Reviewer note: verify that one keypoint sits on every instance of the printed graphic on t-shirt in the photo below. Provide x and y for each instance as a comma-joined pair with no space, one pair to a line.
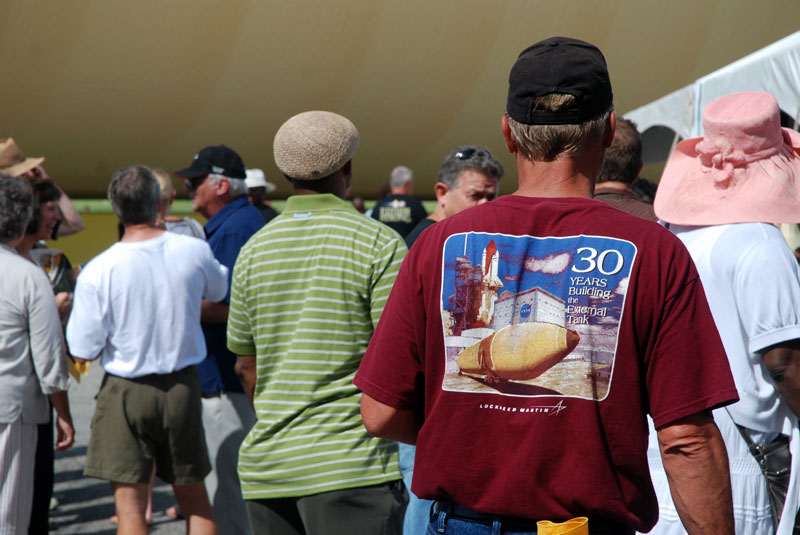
530,316
397,211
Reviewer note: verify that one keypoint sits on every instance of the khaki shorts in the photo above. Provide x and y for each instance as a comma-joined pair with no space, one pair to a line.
155,418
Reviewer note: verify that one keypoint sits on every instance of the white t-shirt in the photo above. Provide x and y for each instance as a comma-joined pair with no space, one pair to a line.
138,304
752,282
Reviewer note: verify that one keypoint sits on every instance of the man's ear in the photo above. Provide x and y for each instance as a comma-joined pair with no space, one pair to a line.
440,189
510,143
611,126
223,186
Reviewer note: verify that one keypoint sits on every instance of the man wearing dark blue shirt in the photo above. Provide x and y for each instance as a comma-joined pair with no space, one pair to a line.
215,181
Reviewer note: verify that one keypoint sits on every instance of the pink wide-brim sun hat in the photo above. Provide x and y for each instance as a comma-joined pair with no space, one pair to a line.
745,169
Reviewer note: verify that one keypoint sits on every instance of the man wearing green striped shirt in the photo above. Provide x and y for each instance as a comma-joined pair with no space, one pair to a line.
307,292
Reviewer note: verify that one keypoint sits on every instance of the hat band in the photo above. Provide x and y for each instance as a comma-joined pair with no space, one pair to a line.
719,157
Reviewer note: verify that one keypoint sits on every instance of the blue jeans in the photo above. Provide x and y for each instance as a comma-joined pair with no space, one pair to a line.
440,524
443,524
418,512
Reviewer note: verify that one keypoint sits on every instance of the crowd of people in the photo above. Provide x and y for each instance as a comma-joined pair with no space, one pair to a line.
570,358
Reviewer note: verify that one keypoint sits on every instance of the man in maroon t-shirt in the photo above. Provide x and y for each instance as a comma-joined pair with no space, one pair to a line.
526,339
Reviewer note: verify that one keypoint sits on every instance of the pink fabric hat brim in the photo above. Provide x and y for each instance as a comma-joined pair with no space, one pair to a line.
764,191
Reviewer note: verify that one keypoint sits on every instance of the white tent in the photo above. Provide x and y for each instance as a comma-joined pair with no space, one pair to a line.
774,69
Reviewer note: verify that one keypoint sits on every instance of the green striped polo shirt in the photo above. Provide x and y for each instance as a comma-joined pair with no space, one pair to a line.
308,289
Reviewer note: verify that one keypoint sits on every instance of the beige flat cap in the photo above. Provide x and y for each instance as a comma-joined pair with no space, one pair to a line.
314,144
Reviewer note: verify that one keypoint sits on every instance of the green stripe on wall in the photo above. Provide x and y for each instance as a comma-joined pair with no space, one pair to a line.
184,206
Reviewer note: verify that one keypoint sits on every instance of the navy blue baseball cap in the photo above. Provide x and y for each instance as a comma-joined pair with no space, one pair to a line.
216,160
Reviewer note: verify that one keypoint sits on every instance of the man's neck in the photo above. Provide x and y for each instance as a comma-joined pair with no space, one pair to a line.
564,177
141,232
335,184
612,186
217,204
437,214
403,190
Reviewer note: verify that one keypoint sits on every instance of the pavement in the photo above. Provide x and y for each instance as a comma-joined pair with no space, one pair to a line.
86,504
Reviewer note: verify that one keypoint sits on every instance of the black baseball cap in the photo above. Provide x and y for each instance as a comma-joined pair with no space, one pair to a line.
217,160
559,65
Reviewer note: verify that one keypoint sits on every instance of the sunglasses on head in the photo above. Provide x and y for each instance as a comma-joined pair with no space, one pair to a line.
465,154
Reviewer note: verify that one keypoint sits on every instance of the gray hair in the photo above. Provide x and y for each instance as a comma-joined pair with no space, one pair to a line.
134,193
16,207
236,186
467,157
624,157
399,176
548,142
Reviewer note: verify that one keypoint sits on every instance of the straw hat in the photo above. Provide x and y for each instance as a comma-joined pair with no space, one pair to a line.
13,161
746,168
314,145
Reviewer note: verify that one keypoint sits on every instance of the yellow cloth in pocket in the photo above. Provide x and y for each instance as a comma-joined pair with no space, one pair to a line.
76,369
574,526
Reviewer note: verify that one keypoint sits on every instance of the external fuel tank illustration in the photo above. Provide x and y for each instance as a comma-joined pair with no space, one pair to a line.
518,352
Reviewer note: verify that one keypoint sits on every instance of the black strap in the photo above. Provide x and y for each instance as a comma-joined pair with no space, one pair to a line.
757,450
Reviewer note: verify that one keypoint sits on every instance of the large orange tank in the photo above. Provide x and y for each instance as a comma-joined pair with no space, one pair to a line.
520,352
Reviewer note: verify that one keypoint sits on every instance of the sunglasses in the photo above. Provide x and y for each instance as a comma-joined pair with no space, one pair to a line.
196,182
465,154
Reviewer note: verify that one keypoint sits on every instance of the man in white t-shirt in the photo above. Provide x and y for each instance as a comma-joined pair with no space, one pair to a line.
138,305
721,194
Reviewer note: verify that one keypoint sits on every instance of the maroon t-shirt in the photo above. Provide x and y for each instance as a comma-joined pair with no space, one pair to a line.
534,335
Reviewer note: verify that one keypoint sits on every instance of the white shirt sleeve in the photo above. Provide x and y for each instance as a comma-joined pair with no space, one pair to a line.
767,287
47,341
216,277
86,332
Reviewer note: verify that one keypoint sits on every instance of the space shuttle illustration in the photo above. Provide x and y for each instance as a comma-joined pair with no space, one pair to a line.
490,284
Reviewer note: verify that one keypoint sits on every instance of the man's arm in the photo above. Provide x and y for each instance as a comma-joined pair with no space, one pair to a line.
65,431
387,422
214,312
783,364
71,222
245,368
64,305
696,464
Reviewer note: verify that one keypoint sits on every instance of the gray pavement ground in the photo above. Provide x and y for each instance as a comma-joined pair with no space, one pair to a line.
85,504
